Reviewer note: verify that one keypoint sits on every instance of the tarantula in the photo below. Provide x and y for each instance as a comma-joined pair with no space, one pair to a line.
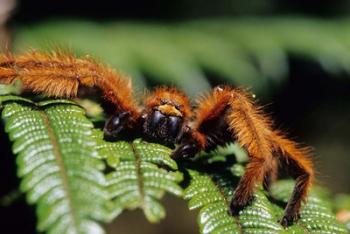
225,115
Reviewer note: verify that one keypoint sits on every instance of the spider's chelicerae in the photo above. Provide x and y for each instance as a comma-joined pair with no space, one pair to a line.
226,114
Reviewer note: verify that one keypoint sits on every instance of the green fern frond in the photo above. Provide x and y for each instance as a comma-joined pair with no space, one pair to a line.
141,174
211,189
59,167
213,216
60,159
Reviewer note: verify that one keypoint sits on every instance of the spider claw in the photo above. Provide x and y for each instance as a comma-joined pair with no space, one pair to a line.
235,208
237,205
289,219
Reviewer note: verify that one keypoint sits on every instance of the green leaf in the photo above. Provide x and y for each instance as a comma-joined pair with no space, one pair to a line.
141,174
59,167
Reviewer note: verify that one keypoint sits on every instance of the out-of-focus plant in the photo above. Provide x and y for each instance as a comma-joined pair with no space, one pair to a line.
251,52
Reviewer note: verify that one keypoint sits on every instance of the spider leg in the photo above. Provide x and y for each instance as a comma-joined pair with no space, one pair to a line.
115,124
255,170
230,114
252,130
192,143
210,128
299,167
292,210
59,74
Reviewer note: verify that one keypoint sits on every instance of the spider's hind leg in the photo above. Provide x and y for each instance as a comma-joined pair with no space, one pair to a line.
303,177
297,160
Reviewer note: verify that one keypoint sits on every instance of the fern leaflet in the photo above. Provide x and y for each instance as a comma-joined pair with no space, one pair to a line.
141,173
60,170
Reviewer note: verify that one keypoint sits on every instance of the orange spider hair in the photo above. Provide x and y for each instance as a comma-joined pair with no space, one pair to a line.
59,74
229,114
170,100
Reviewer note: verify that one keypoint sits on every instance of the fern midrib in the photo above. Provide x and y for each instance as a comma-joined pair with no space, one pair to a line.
222,194
139,175
63,171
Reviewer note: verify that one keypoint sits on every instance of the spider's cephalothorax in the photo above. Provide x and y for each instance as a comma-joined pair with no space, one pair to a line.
225,115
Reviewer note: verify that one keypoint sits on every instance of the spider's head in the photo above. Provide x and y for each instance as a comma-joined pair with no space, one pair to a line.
166,115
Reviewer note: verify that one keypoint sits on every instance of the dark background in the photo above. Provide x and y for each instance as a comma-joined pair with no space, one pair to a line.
313,105
175,10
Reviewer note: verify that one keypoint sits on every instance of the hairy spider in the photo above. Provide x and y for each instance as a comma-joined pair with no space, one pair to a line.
225,115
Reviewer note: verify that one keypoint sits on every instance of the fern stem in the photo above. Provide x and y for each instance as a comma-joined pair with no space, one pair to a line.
139,175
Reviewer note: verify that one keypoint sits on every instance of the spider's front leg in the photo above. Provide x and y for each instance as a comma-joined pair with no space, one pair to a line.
62,75
192,142
228,115
116,123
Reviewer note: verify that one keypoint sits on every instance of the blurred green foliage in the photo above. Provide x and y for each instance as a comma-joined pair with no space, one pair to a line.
247,52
